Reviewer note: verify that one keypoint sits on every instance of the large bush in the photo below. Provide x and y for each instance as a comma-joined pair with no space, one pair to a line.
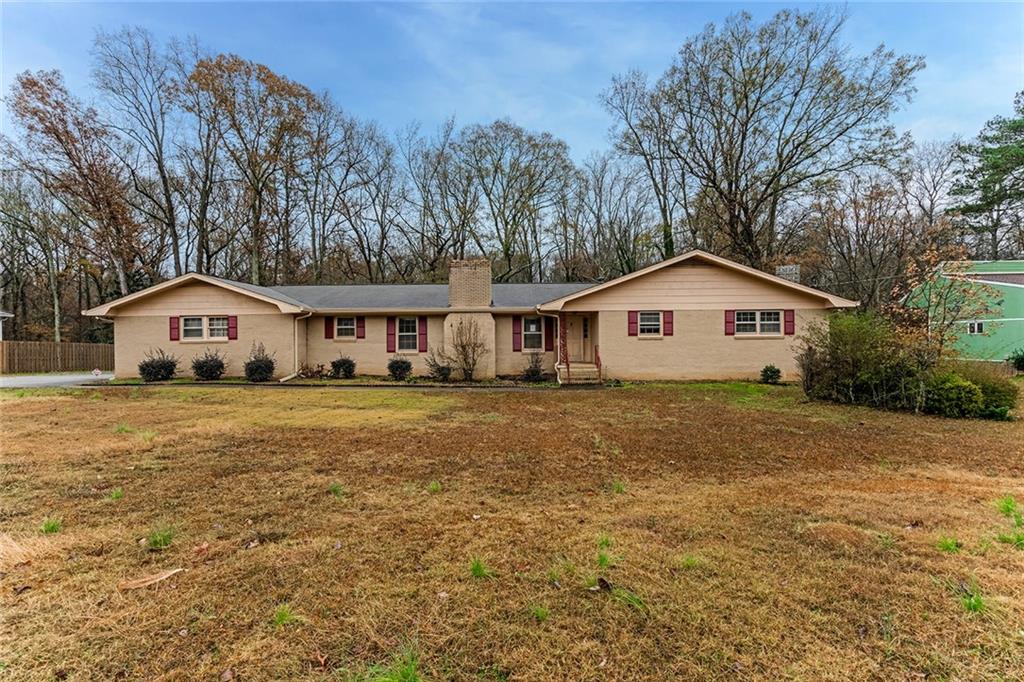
158,366
948,394
260,365
343,368
209,366
399,368
999,394
861,358
1017,359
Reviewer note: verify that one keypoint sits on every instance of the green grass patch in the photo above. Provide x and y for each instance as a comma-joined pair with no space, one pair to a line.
477,569
123,428
284,615
971,599
617,487
51,526
539,613
337,490
403,667
630,599
160,538
948,544
434,487
116,494
690,562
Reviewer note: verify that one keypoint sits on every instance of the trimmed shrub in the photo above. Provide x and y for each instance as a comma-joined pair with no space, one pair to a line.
999,394
343,368
534,370
948,394
770,374
399,368
260,365
1017,359
209,366
158,366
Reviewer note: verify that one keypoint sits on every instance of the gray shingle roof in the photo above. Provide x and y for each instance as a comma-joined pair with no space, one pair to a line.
410,296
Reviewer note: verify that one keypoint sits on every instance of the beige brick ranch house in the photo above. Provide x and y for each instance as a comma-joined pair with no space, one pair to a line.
694,316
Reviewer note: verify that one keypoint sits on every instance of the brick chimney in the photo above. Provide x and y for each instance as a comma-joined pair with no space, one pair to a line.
469,283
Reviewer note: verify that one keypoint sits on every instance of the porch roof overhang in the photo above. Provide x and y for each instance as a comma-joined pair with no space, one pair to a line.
833,301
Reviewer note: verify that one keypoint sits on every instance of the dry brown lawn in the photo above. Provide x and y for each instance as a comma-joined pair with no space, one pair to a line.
679,531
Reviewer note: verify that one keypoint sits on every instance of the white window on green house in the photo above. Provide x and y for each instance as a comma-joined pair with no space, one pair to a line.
346,327
407,334
218,327
532,336
191,327
977,327
650,323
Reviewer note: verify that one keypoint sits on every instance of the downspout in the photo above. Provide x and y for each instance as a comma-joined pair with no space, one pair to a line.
295,347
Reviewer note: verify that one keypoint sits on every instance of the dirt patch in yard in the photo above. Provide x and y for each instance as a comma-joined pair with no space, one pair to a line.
676,531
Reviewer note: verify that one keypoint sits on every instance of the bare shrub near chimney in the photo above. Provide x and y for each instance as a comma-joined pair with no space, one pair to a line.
468,348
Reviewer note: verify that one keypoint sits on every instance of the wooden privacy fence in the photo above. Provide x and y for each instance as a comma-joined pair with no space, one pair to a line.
47,356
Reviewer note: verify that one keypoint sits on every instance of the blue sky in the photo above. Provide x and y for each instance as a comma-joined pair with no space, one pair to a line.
542,65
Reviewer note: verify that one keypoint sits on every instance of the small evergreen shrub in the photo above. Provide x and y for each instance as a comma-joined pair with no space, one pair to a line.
948,394
260,365
209,366
1017,359
439,367
158,366
999,394
399,368
534,370
343,368
770,374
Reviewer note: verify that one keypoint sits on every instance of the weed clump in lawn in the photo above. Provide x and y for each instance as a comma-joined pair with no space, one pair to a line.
343,368
260,365
971,598
209,366
116,494
617,487
160,538
478,570
434,487
51,526
284,616
948,544
1007,506
337,490
404,667
158,366
630,599
539,613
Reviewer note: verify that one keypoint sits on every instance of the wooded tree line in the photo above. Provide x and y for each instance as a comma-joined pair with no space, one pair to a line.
767,143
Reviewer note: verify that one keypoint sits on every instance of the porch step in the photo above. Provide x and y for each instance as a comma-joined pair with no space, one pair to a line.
578,373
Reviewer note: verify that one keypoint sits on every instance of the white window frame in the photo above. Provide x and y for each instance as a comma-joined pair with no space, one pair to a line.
640,324
759,322
204,328
538,333
185,328
414,334
209,327
345,331
976,328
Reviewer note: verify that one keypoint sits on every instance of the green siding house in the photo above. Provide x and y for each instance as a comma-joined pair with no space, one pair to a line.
998,335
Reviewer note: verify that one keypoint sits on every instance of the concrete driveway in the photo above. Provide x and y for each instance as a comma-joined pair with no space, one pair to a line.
51,380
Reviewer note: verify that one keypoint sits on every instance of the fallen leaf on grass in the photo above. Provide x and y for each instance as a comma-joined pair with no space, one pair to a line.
148,580
227,675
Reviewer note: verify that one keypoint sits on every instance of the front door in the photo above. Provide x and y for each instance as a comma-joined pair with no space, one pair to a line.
578,338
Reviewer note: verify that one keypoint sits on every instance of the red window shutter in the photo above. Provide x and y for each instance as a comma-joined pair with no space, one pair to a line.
790,319
360,327
232,327
391,334
517,333
549,334
175,333
329,327
633,326
423,333
666,323
730,322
